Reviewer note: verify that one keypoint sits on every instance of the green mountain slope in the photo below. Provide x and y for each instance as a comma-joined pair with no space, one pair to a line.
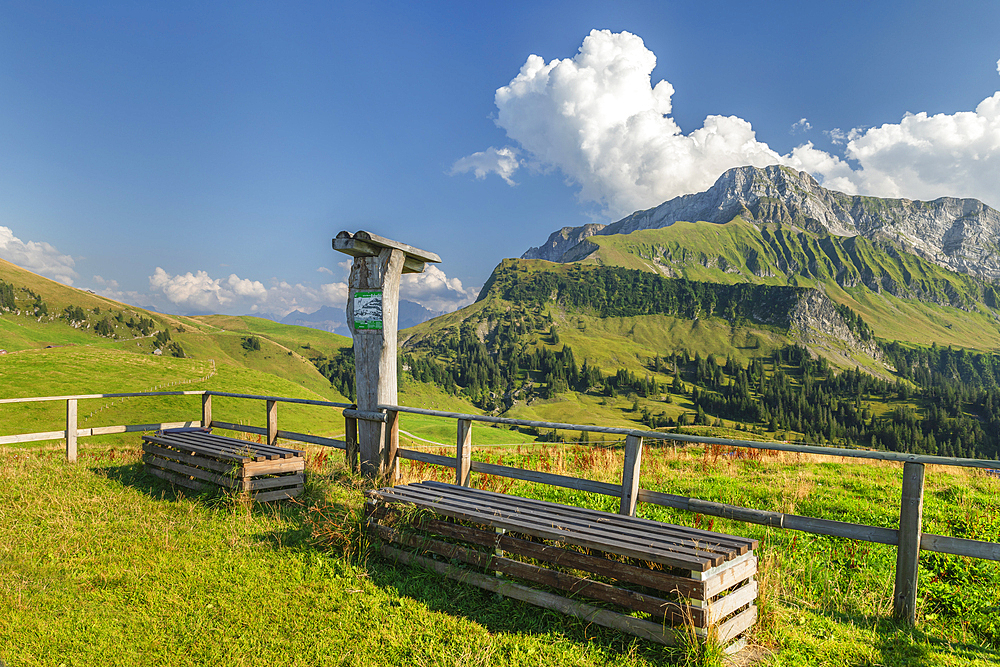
900,295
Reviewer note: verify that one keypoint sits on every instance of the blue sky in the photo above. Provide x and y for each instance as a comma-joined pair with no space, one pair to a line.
199,157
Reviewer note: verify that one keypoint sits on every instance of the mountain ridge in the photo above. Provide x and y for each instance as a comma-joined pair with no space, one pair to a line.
958,234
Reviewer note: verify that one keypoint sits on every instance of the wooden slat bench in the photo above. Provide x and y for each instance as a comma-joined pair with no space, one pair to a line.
197,459
671,575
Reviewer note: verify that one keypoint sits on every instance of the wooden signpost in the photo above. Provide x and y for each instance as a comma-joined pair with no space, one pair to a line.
372,315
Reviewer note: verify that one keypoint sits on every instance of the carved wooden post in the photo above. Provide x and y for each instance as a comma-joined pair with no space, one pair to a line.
372,313
71,430
206,410
911,510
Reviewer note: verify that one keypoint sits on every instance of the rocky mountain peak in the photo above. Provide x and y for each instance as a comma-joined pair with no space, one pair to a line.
958,234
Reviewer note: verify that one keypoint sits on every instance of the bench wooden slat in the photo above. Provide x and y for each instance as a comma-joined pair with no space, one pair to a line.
207,443
659,608
188,447
695,533
539,528
574,528
728,544
656,579
606,526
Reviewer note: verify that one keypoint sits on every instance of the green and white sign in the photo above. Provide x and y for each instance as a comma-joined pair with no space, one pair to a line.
368,310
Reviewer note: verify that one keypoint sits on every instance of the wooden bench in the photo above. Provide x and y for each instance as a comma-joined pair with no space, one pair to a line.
649,576
196,459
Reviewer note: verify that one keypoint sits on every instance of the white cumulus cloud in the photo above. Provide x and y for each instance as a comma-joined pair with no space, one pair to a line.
598,118
200,293
500,161
801,125
37,256
925,156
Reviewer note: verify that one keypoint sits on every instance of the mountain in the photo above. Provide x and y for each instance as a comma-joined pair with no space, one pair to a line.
959,234
324,319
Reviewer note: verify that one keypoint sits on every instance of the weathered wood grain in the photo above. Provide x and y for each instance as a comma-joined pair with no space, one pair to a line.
904,597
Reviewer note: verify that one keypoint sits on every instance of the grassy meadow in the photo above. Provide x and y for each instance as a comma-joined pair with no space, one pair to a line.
101,563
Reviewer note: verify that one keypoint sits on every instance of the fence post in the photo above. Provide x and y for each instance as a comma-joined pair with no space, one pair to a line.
392,446
272,422
463,453
911,508
630,474
351,440
206,411
372,316
71,430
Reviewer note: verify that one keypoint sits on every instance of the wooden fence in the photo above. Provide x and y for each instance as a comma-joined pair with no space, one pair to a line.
908,538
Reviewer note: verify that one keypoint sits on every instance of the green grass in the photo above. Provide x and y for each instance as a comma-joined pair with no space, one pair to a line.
100,563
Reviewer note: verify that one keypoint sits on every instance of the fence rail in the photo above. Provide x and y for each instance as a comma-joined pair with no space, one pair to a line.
908,538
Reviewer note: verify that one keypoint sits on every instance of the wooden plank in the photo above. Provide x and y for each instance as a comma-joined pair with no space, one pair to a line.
133,428
551,479
179,480
31,437
252,450
81,397
199,446
283,494
737,625
190,471
190,459
371,244
312,439
573,526
904,597
623,529
730,577
254,469
206,410
426,457
463,453
656,579
660,609
238,427
726,605
366,416
280,399
276,482
960,547
589,614
630,475
676,437
729,544
676,557
776,519
507,420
